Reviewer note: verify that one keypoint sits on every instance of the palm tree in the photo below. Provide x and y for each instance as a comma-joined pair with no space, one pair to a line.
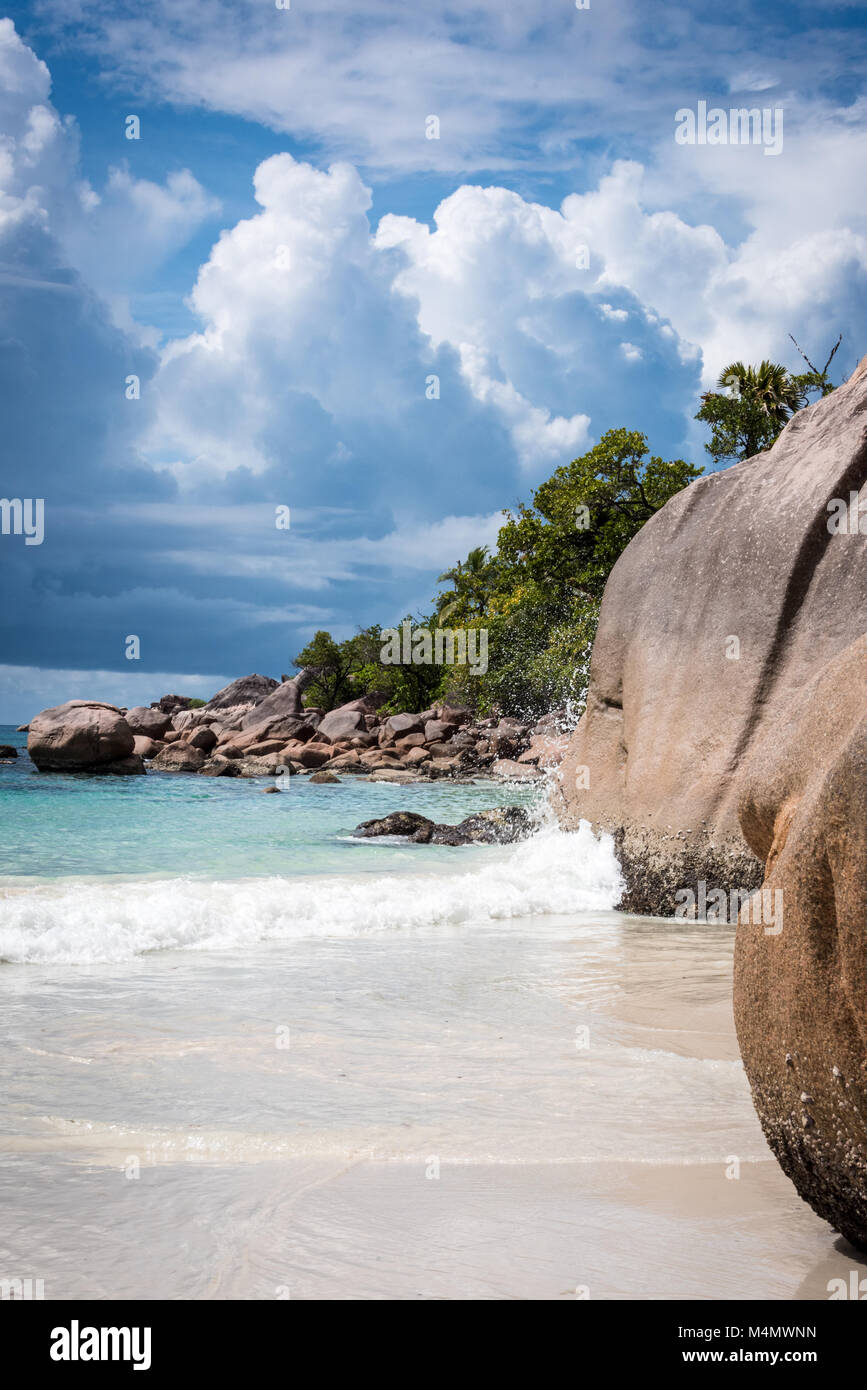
469,596
768,386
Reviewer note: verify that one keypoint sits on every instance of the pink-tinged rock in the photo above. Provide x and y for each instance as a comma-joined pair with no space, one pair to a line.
441,750
312,754
79,736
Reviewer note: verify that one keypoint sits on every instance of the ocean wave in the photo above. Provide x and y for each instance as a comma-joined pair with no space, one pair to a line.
75,922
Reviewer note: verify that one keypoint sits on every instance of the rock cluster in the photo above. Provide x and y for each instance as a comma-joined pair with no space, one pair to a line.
257,727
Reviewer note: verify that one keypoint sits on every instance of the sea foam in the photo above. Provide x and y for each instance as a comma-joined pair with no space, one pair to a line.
77,922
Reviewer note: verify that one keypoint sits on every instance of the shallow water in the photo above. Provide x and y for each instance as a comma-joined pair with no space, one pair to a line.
383,1071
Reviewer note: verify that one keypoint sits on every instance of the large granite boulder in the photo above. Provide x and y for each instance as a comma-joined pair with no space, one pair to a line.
725,745
801,955
727,602
83,736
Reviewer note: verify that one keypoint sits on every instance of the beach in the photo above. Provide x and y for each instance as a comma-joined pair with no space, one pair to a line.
418,1079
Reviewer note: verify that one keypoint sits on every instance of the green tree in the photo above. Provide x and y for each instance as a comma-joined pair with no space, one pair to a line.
334,662
757,402
585,515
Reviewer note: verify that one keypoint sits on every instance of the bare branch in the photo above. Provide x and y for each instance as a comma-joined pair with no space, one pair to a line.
833,350
805,357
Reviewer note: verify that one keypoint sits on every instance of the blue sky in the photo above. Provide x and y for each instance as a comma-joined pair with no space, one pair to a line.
284,260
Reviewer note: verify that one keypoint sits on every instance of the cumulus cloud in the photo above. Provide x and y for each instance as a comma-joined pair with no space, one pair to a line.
413,376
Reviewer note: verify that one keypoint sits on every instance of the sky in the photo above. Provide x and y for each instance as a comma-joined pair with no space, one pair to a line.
386,266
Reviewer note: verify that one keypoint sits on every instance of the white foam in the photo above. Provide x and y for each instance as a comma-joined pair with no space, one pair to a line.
75,922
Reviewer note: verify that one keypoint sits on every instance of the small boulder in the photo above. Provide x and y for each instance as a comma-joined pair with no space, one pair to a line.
341,723
179,757
455,714
399,725
204,738
439,730
257,767
146,747
408,741
312,754
218,766
148,723
325,779
416,756
7,751
546,750
398,823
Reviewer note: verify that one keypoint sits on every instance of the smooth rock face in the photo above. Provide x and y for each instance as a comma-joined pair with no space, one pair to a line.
801,969
79,736
725,740
726,603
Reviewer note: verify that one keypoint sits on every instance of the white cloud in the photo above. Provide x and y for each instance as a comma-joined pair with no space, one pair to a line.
114,237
